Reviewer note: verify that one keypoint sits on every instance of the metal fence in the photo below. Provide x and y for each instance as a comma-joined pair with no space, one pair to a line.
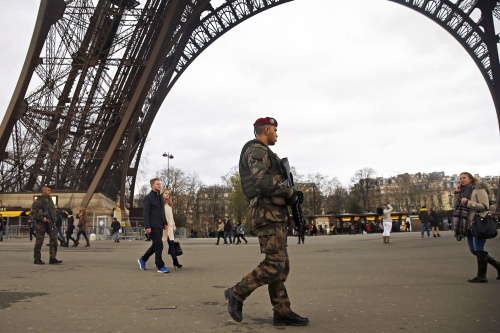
133,233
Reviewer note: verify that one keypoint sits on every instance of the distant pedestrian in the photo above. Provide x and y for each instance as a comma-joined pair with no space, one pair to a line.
220,231
70,229
387,222
115,226
423,216
408,224
31,226
228,231
82,227
59,225
240,232
433,221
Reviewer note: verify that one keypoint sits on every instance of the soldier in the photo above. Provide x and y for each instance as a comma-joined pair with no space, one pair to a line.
43,212
262,183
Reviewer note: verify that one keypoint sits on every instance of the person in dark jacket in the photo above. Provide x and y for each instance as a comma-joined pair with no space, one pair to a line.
423,216
228,231
154,224
433,221
70,229
115,225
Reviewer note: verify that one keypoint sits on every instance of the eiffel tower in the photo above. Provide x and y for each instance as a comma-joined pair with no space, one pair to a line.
97,72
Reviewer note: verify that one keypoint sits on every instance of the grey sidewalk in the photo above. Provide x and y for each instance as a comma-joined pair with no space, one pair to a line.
342,283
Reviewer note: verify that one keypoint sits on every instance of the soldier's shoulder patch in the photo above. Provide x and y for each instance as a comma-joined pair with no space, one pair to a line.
259,151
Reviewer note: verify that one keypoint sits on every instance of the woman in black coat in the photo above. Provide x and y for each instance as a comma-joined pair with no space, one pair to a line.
433,221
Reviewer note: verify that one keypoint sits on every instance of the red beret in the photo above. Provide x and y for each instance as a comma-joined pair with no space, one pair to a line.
265,121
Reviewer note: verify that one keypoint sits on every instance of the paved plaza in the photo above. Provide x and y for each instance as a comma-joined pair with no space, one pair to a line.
342,283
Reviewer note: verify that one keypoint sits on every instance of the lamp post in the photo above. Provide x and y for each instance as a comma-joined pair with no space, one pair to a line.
169,157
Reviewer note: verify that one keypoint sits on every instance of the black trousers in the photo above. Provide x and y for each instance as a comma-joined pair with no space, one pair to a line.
156,247
219,235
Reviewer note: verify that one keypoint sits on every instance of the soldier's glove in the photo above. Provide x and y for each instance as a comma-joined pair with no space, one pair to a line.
297,197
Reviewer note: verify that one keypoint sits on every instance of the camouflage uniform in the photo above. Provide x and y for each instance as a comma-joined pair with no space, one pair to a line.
270,214
43,206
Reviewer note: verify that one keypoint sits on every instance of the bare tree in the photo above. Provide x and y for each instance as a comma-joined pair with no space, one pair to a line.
363,184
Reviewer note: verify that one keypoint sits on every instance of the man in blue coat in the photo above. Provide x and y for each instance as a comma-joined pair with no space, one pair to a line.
154,223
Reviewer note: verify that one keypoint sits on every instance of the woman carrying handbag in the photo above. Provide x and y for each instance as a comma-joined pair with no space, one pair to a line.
168,234
471,198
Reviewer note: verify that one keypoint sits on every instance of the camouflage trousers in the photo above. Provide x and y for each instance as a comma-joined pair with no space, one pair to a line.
40,231
273,270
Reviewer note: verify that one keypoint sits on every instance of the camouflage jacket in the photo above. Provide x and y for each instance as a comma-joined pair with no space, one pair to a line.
43,206
264,165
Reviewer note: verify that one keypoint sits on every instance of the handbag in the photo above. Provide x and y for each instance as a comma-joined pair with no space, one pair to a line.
178,249
483,227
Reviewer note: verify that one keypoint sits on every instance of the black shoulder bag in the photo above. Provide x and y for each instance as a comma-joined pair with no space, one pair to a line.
484,227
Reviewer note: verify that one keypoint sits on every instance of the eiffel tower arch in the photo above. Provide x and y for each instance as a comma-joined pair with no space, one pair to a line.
97,72
472,24
95,76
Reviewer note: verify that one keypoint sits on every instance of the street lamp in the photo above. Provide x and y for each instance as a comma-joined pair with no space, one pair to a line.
169,157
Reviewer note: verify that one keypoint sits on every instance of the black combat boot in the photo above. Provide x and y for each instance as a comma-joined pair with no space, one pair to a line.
291,319
493,263
54,261
482,266
38,262
234,307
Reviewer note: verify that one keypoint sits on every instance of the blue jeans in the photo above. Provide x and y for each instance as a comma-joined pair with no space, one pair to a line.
227,234
116,236
60,234
475,244
425,226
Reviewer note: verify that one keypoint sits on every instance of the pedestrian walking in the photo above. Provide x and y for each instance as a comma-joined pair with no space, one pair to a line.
220,231
82,227
154,224
169,233
434,222
115,226
240,232
423,216
471,198
262,184
70,229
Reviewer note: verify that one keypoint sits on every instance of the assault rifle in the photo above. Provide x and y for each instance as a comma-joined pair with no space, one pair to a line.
298,218
50,223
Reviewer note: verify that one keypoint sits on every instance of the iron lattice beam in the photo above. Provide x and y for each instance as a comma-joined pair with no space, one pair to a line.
94,78
472,24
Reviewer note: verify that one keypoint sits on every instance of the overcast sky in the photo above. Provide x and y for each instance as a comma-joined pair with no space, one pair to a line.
352,84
